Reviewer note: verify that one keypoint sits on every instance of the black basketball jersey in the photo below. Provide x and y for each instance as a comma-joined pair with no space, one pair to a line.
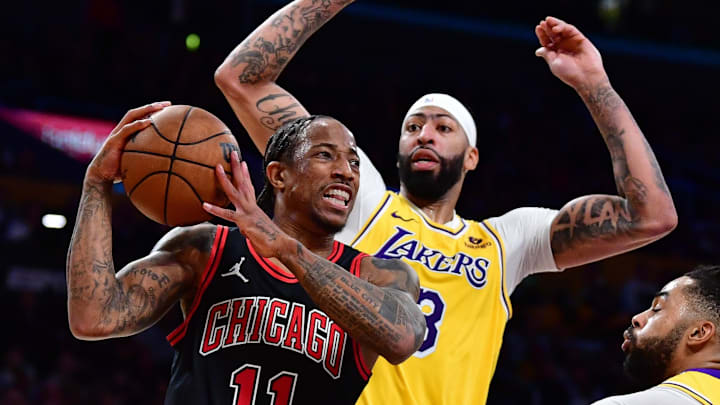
253,336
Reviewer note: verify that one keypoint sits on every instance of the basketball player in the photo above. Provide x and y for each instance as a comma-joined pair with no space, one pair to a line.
276,311
676,344
467,269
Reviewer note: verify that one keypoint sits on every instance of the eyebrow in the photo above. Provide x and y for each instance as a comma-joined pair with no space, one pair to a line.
440,115
332,146
661,294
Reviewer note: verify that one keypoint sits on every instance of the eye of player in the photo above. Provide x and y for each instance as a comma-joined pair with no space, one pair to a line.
412,127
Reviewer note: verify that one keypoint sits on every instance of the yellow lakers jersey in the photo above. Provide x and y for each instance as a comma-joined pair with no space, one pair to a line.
462,294
703,387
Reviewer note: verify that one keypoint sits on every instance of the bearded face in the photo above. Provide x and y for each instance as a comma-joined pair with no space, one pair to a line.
430,185
647,362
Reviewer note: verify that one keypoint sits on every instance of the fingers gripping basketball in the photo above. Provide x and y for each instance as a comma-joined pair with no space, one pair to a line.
168,168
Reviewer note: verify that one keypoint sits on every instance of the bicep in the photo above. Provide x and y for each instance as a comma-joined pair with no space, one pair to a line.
262,109
594,227
147,288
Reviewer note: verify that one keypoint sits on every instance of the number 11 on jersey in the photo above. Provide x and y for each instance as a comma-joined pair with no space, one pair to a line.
245,379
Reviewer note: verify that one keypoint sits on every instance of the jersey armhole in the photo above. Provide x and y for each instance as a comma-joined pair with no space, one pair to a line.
355,264
362,368
504,296
215,254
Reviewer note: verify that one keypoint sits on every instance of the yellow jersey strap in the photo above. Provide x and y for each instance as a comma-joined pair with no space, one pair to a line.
376,214
702,386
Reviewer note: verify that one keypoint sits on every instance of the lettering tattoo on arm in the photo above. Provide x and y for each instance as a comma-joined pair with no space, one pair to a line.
590,218
278,108
376,316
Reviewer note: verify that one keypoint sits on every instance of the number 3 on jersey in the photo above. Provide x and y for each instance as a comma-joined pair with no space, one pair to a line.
245,381
433,306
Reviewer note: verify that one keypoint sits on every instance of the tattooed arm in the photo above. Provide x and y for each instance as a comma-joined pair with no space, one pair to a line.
597,226
378,309
247,76
101,302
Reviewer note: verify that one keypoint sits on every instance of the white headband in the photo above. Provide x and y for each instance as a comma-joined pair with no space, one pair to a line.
452,106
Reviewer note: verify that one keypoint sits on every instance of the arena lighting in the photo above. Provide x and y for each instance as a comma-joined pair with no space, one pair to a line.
54,221
192,42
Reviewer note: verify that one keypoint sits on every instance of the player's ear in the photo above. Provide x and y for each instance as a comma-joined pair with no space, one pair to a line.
700,332
276,174
471,158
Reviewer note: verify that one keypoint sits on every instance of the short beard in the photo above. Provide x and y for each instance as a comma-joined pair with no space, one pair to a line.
648,365
426,185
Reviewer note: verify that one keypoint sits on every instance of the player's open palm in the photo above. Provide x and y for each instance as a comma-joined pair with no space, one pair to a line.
250,219
105,166
569,54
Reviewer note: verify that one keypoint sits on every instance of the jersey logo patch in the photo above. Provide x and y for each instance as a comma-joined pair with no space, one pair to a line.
475,243
235,271
394,214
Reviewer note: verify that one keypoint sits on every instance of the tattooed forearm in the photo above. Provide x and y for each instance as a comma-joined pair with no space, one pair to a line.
278,109
614,121
385,319
102,303
267,229
598,226
265,53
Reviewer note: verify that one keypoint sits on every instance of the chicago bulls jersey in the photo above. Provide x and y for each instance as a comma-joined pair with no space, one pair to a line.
253,336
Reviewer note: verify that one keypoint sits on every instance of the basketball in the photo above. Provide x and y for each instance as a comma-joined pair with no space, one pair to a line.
168,168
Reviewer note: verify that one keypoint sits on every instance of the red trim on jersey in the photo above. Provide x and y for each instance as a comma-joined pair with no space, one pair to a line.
215,254
280,273
336,252
363,369
271,268
355,265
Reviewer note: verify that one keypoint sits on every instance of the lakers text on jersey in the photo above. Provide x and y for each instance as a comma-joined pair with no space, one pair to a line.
462,294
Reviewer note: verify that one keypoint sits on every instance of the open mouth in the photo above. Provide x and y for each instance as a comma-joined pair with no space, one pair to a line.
424,158
338,195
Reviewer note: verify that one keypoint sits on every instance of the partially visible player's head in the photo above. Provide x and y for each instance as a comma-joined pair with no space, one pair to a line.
312,173
437,147
678,331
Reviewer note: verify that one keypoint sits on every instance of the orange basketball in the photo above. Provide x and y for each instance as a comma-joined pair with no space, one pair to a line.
168,168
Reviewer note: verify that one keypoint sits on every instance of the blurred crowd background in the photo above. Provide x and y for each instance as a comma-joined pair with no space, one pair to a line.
538,146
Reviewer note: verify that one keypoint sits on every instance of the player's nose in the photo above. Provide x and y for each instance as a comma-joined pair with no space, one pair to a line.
343,168
639,320
427,134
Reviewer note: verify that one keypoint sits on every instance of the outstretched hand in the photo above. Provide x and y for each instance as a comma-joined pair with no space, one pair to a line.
570,55
105,166
252,221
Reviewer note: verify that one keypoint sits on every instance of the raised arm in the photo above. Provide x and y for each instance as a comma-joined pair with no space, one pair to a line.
101,302
247,76
378,310
593,227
